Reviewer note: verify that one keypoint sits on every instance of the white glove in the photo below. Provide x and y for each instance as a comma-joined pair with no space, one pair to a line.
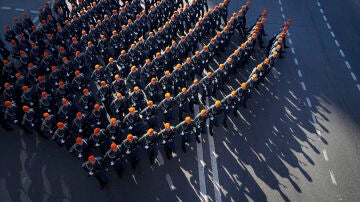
86,107
16,121
130,127
146,147
112,163
212,118
165,111
117,111
163,142
113,137
127,152
80,155
80,130
97,144
62,141
91,173
98,123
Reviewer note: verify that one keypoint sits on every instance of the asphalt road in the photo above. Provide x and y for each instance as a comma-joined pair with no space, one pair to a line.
298,139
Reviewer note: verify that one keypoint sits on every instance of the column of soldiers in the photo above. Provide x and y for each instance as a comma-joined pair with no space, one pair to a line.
48,84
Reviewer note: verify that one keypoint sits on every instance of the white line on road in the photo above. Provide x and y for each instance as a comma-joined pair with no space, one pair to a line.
299,73
6,8
353,76
342,53
214,166
296,61
293,50
160,158
201,165
358,86
308,101
19,9
347,64
280,2
170,182
332,175
321,11
314,118
318,3
325,155
33,11
328,25
332,34
290,41
35,19
283,16
337,43
281,8
303,85
325,18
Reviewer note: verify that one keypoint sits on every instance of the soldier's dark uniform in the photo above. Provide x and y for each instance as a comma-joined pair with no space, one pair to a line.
216,117
130,147
96,167
167,139
150,139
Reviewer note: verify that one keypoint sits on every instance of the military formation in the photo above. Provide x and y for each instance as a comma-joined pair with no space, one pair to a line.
106,79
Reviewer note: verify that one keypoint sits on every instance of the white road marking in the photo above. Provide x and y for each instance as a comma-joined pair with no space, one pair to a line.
342,53
281,8
347,64
201,165
288,33
33,11
321,11
303,85
214,166
337,43
328,25
293,50
35,19
325,18
358,86
275,73
308,101
299,73
325,155
332,175
283,16
160,158
353,76
332,34
19,9
296,61
318,3
314,118
6,8
280,2
319,134
170,182
290,41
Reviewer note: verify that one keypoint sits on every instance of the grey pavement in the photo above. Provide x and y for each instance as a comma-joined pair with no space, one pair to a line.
274,151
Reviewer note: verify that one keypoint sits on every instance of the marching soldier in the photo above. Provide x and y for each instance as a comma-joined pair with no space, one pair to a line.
130,146
80,125
166,106
200,123
167,82
153,90
98,139
113,131
149,115
194,94
244,93
61,134
98,116
207,87
10,115
138,98
118,106
113,157
80,148
215,112
86,101
95,166
150,139
132,121
118,85
186,130
183,101
48,125
167,135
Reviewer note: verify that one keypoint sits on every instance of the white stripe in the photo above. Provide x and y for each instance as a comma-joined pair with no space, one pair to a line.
299,73
283,16
281,8
324,17
19,9
280,2
160,158
293,50
288,33
214,163
314,118
358,86
275,74
321,11
36,12
318,3
347,64
337,43
290,41
308,102
35,19
319,134
342,53
332,175
328,25
303,86
353,76
201,165
325,155
6,8
332,34
296,61
170,182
